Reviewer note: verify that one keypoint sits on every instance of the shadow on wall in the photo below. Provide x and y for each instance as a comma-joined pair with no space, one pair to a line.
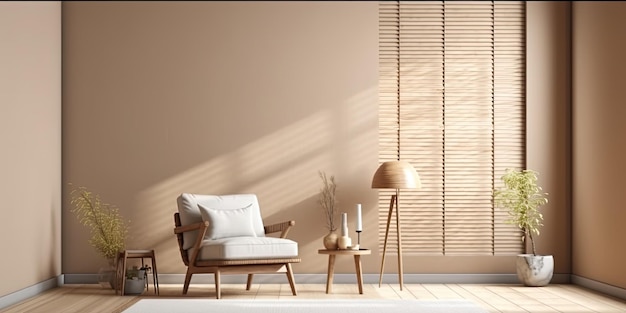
282,170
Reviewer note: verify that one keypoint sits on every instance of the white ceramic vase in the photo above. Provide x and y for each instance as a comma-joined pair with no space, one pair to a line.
344,242
344,224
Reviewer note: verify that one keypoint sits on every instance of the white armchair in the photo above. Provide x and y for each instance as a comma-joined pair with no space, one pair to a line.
225,235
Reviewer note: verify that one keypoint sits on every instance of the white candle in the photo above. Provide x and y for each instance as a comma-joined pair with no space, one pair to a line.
359,221
344,224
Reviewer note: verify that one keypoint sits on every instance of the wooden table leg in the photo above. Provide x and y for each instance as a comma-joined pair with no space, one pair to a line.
155,274
359,272
331,273
120,273
124,271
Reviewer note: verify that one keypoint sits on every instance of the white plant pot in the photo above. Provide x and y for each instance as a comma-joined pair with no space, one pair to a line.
535,270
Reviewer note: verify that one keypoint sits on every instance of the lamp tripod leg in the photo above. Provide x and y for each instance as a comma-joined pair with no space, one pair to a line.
382,264
399,236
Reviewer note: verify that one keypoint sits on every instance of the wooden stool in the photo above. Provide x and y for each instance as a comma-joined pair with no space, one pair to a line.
136,254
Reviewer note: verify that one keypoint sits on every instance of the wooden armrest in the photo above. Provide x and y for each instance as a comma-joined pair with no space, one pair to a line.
190,227
201,227
283,227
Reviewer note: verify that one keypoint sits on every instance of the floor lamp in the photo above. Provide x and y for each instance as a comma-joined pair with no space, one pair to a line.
395,175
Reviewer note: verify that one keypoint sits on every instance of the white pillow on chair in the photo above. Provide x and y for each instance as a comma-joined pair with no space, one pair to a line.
225,223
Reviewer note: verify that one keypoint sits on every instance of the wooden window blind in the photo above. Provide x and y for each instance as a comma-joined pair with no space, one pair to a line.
452,103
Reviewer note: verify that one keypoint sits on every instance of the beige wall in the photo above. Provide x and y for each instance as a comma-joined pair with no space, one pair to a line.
218,97
599,141
162,98
30,135
548,122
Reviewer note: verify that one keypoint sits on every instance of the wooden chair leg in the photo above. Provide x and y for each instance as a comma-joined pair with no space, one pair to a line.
218,291
292,283
187,281
249,283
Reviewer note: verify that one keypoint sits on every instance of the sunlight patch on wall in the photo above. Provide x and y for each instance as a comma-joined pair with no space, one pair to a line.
281,169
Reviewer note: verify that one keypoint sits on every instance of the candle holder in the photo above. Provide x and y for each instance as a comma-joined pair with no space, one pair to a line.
359,227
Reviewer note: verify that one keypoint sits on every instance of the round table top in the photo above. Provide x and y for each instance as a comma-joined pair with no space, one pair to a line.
345,251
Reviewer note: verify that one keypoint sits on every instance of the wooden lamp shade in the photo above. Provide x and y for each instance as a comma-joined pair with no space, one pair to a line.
396,175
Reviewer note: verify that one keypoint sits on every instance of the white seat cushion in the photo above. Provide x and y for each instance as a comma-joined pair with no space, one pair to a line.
237,248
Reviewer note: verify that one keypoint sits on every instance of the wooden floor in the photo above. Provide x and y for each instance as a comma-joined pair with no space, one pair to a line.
494,298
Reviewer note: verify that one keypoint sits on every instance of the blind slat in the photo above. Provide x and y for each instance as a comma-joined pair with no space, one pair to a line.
456,73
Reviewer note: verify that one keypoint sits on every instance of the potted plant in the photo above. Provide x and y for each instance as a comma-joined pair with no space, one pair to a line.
328,202
108,229
521,197
135,280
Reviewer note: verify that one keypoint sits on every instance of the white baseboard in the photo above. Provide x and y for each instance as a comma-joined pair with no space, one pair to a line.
339,279
23,294
600,287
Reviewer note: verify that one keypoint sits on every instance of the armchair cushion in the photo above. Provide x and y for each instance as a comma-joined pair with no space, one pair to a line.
228,223
238,248
190,211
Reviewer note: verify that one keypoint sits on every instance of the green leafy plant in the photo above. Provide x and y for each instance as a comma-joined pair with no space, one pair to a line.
522,197
108,229
137,273
328,201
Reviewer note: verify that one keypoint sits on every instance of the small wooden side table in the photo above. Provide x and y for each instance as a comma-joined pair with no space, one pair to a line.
136,254
331,265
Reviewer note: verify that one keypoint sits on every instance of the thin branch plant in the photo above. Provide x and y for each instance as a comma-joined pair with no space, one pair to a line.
108,228
327,200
